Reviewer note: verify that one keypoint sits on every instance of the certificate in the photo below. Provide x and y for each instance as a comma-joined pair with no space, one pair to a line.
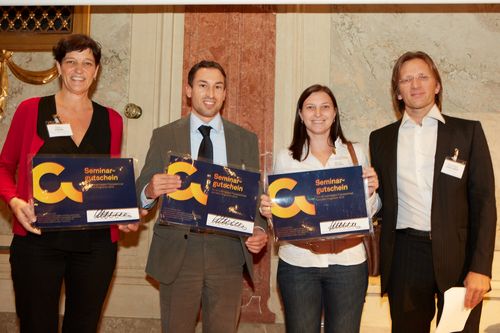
83,192
211,197
319,204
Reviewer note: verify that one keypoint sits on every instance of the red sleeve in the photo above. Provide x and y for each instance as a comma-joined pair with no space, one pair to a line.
16,144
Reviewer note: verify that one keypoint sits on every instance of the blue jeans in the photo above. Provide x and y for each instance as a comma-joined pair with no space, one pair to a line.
337,290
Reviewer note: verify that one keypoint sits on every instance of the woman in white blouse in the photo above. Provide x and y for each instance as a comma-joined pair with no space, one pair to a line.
329,277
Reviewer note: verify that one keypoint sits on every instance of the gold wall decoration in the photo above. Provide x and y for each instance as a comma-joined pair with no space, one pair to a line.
31,77
38,28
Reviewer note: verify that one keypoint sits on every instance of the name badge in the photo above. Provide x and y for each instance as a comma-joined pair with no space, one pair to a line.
454,168
57,130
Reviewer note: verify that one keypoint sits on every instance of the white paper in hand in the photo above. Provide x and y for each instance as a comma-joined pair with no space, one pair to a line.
454,313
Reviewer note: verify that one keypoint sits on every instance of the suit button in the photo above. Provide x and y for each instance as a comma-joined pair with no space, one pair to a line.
185,236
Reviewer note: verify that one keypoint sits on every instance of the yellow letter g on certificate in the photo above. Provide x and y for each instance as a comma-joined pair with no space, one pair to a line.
194,189
65,189
300,203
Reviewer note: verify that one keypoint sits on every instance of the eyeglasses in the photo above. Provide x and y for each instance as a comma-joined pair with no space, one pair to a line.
409,79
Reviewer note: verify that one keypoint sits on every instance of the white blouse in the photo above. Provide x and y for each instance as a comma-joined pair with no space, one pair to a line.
301,257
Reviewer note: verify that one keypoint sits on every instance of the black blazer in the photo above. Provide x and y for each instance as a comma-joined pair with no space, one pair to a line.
463,214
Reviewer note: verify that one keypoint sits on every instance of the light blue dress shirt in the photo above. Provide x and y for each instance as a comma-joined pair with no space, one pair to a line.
216,136
218,142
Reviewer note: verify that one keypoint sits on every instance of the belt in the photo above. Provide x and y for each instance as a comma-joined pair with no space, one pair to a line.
180,227
196,230
328,245
415,233
201,231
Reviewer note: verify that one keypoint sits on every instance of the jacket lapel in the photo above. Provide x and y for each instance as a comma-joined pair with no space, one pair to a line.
392,160
442,150
182,136
233,148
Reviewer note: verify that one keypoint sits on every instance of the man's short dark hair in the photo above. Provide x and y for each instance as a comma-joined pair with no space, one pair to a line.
205,64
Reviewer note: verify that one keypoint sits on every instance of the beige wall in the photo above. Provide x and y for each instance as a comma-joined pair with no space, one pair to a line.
350,48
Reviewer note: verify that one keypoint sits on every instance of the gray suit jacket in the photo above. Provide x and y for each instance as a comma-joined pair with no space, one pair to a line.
463,214
168,246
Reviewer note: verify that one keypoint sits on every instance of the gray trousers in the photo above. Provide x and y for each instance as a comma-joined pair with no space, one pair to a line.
209,278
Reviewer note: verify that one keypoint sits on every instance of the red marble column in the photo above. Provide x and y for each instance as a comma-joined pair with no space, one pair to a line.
242,40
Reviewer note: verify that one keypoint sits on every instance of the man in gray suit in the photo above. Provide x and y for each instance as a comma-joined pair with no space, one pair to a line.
193,266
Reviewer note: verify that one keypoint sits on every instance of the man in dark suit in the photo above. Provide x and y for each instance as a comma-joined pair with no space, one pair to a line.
191,265
438,201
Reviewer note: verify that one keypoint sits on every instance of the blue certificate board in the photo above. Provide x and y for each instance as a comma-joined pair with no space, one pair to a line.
319,204
83,192
211,197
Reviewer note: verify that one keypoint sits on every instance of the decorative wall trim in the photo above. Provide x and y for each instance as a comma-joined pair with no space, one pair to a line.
27,76
24,34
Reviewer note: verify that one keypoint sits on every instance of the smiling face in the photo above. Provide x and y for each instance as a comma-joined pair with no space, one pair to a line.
207,93
318,114
78,71
417,88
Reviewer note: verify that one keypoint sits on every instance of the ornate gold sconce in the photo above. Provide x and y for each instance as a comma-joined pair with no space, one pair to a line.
31,77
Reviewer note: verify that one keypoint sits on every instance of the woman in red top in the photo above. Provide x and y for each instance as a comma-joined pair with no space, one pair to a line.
83,259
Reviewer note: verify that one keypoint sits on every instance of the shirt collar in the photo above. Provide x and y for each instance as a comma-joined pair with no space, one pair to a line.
433,113
215,123
339,145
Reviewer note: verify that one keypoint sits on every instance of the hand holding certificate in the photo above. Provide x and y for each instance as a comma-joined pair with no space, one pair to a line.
319,204
83,192
211,197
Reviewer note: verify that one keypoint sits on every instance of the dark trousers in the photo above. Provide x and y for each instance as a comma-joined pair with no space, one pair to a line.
38,272
413,289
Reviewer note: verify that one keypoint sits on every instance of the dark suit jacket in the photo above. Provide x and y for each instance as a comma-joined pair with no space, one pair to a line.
168,246
463,214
